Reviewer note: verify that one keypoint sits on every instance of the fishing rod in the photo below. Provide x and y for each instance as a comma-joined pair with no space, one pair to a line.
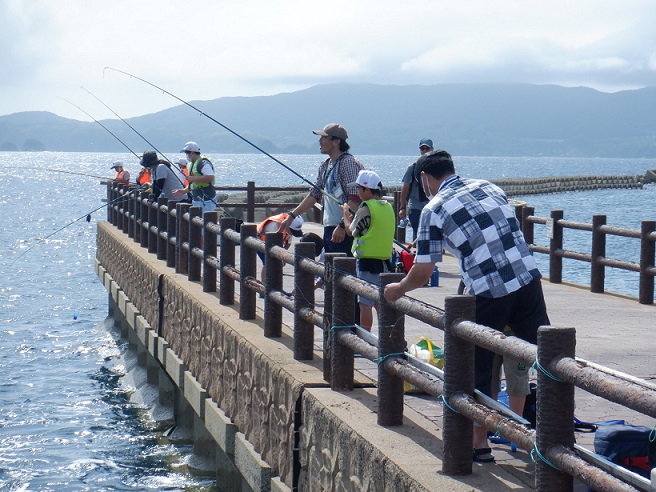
226,128
86,216
131,127
322,191
153,146
63,171
108,130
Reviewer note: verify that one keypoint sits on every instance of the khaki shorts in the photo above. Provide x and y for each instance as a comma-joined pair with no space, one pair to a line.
517,383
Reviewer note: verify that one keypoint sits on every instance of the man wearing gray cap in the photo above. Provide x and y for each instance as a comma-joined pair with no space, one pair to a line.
335,178
413,199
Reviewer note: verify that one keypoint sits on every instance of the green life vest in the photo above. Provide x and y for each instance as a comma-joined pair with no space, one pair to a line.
377,242
196,172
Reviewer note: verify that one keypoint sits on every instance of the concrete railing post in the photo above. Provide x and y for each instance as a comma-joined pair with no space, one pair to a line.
342,357
647,250
127,224
131,218
162,227
391,340
226,259
527,226
118,206
152,224
143,204
556,244
458,378
182,263
172,229
110,197
209,251
195,241
137,216
554,408
328,310
250,201
272,282
597,269
303,299
247,268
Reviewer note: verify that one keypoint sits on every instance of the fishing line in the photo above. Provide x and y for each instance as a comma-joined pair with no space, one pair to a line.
61,171
108,130
86,216
323,192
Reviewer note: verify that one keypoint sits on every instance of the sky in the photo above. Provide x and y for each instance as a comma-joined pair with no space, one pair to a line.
206,49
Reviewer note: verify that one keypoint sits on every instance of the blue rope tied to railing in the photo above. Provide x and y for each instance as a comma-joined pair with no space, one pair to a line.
652,434
333,328
535,451
442,398
505,419
537,365
380,360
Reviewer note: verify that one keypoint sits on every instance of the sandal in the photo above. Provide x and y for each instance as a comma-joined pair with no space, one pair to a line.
483,455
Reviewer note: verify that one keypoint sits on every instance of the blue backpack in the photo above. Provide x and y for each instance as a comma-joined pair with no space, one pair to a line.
628,446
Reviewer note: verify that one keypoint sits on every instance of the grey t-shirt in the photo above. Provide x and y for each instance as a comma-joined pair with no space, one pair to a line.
414,199
173,180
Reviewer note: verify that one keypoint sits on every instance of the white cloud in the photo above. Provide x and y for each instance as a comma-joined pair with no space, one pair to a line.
203,49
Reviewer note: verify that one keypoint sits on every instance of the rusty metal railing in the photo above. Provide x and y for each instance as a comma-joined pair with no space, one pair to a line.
175,232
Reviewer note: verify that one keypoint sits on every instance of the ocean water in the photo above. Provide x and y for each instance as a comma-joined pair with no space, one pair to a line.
66,421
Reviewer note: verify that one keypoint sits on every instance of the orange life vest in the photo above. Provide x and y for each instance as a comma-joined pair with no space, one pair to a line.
274,219
121,177
144,176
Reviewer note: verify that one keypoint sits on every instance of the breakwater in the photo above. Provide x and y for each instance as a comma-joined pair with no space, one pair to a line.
561,184
267,201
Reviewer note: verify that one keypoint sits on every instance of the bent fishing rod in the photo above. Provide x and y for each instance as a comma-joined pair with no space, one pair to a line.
153,146
107,129
322,191
86,216
225,128
130,126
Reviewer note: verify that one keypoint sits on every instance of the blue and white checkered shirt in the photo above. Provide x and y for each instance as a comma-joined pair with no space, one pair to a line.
472,219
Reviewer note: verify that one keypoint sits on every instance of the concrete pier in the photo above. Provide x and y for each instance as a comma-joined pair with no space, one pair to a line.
275,421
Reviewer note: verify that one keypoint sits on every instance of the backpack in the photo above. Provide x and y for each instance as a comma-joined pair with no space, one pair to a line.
628,446
422,196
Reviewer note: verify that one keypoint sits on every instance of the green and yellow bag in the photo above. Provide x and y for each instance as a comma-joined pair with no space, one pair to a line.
427,351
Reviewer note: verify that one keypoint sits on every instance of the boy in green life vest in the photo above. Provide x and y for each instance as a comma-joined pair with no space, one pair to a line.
372,228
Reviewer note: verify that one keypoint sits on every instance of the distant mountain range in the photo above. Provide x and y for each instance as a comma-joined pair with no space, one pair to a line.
465,119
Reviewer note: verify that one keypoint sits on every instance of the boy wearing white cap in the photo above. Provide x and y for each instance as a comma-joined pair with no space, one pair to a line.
372,228
271,224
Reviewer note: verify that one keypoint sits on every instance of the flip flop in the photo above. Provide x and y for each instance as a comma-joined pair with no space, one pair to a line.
483,455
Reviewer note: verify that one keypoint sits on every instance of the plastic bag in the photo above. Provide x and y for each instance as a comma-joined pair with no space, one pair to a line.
427,351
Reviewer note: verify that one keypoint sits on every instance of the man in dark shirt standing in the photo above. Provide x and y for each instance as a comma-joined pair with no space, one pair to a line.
473,220
413,200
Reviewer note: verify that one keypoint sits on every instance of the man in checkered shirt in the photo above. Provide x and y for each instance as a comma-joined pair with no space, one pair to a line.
473,220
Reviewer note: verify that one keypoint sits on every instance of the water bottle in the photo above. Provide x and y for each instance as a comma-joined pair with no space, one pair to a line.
435,278
403,222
